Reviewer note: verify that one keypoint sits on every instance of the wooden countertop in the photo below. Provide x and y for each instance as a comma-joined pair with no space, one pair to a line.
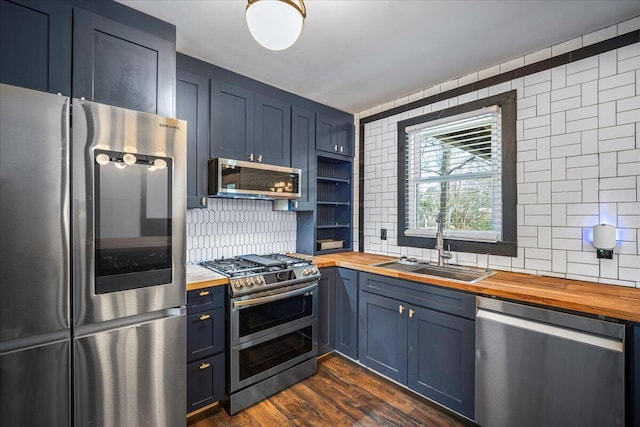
617,302
199,277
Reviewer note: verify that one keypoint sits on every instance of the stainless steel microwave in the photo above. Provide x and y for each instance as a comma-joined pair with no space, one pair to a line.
240,179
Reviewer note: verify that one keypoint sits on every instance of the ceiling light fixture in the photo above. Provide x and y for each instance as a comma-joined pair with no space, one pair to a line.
275,24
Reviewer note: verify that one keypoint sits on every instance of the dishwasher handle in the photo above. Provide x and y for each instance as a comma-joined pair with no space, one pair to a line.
554,330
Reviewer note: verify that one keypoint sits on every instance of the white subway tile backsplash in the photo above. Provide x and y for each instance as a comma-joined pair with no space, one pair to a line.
567,46
629,25
608,63
631,116
629,64
582,76
578,163
607,114
582,65
582,125
617,93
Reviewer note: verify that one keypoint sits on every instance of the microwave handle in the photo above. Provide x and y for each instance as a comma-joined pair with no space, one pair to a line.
263,300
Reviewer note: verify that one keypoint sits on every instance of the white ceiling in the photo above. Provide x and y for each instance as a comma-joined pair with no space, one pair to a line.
356,54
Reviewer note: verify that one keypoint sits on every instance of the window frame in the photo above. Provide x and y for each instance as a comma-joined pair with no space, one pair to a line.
508,246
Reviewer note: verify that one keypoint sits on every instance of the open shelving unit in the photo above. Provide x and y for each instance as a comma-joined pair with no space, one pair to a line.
333,204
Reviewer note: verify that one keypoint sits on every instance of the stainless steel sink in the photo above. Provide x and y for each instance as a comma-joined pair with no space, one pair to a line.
451,272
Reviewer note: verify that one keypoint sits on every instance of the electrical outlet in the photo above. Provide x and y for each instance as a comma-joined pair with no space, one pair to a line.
383,234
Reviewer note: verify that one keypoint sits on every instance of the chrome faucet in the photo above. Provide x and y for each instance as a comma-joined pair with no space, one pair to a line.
442,254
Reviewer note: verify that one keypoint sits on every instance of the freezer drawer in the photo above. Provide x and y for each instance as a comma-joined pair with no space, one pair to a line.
35,386
132,375
537,367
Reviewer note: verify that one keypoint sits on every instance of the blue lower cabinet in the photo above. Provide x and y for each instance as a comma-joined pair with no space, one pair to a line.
205,382
423,337
205,333
346,307
205,347
382,335
635,394
441,358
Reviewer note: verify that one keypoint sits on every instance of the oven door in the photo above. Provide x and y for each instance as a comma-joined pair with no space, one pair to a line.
256,360
256,315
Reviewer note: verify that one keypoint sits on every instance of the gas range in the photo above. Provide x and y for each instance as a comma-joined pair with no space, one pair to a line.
258,273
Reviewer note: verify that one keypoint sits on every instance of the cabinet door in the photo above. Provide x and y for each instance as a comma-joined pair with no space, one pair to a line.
635,405
205,333
346,306
119,65
303,141
272,131
232,121
441,358
35,45
193,106
205,382
382,335
346,139
326,310
326,133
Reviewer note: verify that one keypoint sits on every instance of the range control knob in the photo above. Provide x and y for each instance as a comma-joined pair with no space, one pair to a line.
305,272
236,284
314,270
248,282
259,281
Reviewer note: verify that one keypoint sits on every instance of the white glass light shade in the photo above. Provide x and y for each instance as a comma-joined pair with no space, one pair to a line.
120,165
275,24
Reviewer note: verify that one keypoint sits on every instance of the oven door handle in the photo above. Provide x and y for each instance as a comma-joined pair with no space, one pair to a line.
263,300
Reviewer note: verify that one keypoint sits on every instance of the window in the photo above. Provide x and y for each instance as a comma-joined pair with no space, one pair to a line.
459,165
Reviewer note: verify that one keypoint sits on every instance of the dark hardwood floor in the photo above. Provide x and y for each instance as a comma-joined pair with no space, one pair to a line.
342,393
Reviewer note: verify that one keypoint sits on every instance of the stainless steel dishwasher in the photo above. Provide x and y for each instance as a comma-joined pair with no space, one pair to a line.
543,368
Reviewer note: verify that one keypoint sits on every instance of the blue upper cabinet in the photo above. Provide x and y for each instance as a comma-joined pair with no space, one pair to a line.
303,141
334,135
232,121
273,130
120,65
193,106
35,45
249,126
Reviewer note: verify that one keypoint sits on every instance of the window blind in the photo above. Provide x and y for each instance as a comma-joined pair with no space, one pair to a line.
454,165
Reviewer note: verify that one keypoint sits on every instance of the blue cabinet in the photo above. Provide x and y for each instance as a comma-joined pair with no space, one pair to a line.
334,135
35,45
441,363
634,401
249,126
205,347
272,130
346,307
117,64
192,105
420,335
232,121
382,337
303,140
326,310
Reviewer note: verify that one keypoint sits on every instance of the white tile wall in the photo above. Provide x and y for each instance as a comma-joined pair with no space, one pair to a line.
230,227
578,154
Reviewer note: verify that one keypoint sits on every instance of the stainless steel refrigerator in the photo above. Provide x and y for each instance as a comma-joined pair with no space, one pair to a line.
92,276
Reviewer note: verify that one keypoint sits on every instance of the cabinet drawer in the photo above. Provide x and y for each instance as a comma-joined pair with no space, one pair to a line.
205,299
428,296
205,333
205,382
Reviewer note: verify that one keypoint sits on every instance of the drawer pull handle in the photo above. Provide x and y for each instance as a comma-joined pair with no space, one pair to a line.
411,311
204,293
401,308
204,366
205,316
